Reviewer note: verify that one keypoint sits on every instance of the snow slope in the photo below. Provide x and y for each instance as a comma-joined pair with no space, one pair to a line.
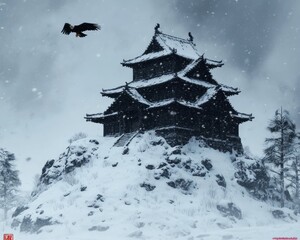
147,190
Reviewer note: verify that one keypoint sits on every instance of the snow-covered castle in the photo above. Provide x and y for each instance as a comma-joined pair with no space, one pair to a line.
174,93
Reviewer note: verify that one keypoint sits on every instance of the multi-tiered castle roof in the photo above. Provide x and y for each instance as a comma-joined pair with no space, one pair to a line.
174,93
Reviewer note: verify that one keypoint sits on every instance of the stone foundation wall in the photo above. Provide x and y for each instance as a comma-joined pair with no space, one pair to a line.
180,136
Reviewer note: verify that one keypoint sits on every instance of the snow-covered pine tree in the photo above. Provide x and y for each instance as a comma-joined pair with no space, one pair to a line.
296,177
280,146
9,181
294,172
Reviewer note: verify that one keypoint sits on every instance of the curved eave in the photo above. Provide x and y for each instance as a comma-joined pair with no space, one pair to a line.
100,117
242,117
111,95
230,93
116,92
93,119
144,58
113,92
212,66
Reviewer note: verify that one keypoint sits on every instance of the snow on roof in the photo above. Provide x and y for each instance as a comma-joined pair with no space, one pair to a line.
173,100
184,47
243,116
90,117
165,78
152,81
170,45
146,57
197,104
112,90
158,80
206,97
137,96
190,66
208,62
162,103
197,82
210,93
230,90
140,84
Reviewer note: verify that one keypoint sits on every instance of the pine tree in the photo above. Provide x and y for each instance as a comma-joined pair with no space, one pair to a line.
294,172
296,178
9,181
280,146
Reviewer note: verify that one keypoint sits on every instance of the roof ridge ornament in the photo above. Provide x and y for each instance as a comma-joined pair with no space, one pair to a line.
126,87
191,38
156,28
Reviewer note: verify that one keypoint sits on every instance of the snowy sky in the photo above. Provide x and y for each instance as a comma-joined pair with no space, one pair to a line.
49,81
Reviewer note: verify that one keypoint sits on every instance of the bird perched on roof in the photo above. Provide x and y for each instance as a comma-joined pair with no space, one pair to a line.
79,29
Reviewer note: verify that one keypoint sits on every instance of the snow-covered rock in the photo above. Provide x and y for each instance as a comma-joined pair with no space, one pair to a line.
154,191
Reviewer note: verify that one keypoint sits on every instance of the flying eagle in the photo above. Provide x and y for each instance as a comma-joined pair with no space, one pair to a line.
78,29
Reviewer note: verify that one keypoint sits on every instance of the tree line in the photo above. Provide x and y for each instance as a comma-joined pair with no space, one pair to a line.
9,181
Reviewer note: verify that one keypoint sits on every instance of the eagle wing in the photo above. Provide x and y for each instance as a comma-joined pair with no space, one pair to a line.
67,29
87,27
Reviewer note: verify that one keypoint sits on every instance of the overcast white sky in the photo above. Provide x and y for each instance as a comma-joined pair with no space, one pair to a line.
49,81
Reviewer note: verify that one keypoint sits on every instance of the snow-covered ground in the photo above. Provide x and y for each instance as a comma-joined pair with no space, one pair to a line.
147,190
236,233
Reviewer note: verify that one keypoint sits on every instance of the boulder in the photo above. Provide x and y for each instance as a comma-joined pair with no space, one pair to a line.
221,180
230,210
181,183
207,164
147,186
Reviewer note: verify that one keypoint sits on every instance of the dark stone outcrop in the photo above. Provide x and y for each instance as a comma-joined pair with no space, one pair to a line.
254,177
99,228
165,173
147,186
175,160
193,168
30,226
94,141
180,183
278,214
19,210
97,202
158,142
75,156
221,180
287,217
150,167
207,164
230,210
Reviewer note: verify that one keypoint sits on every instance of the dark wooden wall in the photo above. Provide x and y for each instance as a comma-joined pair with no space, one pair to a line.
159,67
175,88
